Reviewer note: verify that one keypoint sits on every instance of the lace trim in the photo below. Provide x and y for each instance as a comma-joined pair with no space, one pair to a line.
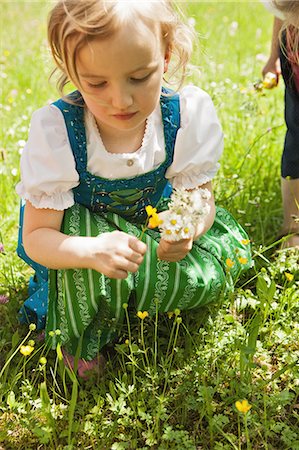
144,144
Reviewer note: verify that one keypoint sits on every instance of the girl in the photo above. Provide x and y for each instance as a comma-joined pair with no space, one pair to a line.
97,157
284,57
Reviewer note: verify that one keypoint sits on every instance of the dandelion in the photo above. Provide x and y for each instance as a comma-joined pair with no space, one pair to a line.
243,260
4,299
230,263
243,406
142,314
289,276
26,350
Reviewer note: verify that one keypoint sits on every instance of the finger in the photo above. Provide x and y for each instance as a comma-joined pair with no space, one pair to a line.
122,263
117,274
137,245
135,257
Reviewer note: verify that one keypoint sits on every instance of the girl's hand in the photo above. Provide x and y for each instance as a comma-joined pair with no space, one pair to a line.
272,66
174,251
117,253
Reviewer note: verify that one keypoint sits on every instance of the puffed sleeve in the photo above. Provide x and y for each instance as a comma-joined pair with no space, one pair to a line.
48,171
199,141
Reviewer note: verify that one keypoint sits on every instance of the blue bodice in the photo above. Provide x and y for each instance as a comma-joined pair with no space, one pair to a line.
127,197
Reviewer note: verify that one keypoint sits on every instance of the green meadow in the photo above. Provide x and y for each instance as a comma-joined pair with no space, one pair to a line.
170,382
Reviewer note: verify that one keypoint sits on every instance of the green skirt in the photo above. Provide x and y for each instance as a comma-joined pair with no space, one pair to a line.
87,307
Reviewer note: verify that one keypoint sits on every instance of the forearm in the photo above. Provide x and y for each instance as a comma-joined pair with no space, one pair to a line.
202,228
274,52
55,250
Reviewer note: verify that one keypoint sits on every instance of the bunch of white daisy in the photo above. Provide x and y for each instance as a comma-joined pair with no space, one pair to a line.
186,210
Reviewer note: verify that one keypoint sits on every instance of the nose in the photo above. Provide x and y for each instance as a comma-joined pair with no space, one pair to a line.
121,97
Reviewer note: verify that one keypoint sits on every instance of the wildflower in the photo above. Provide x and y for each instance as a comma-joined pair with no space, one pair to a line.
243,406
4,299
270,80
142,315
155,221
170,314
57,332
51,333
31,343
1,248
150,210
26,350
32,327
245,241
229,263
186,211
243,260
289,276
177,311
125,305
43,360
127,341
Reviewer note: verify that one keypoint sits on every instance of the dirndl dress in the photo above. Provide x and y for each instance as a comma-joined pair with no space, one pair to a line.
85,305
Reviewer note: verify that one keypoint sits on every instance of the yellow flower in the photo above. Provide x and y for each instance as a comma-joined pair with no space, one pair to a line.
142,315
243,260
245,241
26,350
229,263
169,232
270,80
31,343
127,342
289,276
243,406
170,314
154,221
43,360
150,211
32,327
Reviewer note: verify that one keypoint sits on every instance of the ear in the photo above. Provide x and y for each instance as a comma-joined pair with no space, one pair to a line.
167,58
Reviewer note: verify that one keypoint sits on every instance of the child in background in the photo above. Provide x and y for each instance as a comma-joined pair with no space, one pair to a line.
284,57
96,158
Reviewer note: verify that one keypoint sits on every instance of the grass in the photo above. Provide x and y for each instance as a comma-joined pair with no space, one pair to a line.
170,383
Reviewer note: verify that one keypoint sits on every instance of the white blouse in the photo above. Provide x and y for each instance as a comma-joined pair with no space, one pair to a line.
48,171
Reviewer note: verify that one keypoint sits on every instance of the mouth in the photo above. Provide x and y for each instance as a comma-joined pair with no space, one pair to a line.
124,116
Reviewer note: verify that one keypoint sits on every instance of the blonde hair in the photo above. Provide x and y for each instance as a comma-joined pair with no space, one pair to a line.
74,23
290,10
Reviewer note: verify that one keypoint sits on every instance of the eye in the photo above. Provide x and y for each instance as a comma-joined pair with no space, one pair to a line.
97,85
140,80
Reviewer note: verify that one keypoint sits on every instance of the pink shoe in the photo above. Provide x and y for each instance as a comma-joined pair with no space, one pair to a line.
85,368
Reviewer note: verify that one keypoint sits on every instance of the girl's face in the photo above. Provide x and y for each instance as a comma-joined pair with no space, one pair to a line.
121,77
